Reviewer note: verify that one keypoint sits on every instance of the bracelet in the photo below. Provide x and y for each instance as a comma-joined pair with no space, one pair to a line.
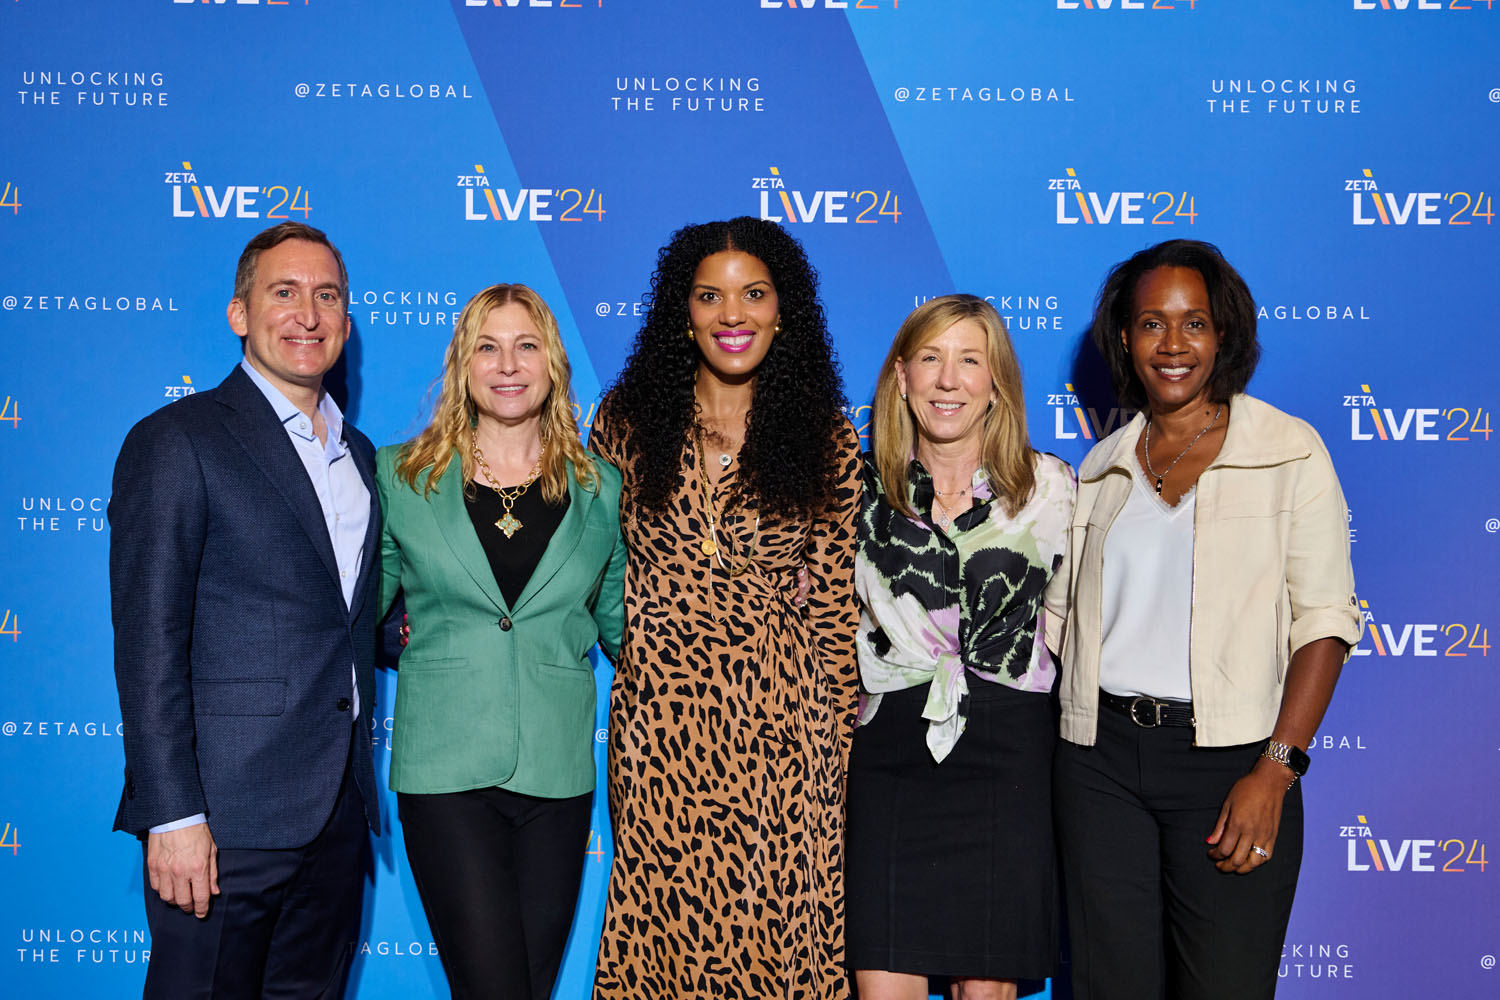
1287,756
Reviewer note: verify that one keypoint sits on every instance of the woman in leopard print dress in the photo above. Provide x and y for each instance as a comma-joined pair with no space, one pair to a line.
732,708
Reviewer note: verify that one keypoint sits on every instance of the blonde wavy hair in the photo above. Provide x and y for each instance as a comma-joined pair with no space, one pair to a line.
454,417
1005,452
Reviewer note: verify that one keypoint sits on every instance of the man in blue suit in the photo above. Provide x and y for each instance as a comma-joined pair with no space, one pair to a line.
243,552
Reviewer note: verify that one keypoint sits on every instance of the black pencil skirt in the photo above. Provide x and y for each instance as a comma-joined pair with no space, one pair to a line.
950,868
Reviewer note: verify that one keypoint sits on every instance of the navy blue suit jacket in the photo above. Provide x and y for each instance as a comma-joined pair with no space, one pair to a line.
233,645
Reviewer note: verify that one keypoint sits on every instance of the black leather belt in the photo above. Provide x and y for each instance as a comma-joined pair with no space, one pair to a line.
1149,713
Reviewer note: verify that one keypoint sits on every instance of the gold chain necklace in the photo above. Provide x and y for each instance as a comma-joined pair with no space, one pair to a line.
510,524
710,545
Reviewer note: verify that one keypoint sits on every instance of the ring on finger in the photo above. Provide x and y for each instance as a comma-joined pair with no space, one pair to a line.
1261,851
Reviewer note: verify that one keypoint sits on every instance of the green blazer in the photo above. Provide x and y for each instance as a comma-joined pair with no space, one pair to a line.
487,694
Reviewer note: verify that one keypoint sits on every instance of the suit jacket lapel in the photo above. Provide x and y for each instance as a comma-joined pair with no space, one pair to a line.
447,507
252,420
564,541
372,529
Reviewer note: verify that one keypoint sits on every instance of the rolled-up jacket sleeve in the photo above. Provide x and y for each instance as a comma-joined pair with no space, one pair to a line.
1319,574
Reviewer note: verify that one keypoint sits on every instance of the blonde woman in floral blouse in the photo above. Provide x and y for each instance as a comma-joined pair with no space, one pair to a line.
950,868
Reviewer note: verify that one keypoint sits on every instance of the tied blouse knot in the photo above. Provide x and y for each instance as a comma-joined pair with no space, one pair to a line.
937,606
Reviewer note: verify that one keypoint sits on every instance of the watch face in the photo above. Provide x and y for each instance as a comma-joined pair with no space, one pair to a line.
1297,760
1285,753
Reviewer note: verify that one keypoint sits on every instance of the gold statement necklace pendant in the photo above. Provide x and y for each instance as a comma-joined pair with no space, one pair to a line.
708,546
508,524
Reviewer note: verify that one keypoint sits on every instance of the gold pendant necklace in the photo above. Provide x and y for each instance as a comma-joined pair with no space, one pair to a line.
710,545
509,523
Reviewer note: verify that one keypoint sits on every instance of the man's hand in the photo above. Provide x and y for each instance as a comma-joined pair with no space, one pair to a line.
184,867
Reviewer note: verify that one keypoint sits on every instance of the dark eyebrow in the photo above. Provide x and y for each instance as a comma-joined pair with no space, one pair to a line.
293,282
1162,312
714,288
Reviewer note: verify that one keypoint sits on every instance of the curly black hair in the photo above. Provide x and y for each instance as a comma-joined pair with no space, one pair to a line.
789,459
1230,303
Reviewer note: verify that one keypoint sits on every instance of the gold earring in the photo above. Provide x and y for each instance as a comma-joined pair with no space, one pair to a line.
690,331
777,329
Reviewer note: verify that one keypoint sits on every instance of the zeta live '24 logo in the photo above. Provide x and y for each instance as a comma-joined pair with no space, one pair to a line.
1125,208
192,200
538,204
1369,422
1386,638
867,207
1373,206
1452,856
1070,418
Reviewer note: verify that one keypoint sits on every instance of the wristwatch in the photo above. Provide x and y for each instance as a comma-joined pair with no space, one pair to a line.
1288,756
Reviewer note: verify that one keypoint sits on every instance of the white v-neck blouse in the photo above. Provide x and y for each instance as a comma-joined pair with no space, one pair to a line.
1148,596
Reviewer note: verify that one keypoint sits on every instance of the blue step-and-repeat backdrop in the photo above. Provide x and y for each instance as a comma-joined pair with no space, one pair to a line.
1345,155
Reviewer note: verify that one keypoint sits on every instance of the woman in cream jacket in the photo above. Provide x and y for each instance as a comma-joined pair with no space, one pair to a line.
1203,615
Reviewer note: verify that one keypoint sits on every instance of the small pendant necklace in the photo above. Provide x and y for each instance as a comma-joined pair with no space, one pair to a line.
1158,476
509,523
710,545
944,518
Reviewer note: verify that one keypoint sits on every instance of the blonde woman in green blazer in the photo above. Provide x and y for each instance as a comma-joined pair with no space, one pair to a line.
504,536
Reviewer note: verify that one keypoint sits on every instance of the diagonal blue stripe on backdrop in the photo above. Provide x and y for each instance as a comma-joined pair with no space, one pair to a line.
629,105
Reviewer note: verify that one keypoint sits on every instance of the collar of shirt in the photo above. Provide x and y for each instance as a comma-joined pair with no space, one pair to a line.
919,481
287,413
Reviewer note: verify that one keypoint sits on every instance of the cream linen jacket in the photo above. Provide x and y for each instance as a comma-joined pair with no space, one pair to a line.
1271,572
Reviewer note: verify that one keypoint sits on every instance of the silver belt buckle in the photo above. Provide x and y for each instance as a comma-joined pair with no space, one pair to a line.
1153,719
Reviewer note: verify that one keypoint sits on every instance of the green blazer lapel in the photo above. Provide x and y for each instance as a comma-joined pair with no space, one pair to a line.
447,506
564,541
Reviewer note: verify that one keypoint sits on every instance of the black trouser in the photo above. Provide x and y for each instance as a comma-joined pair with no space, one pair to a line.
498,873
1149,916
285,924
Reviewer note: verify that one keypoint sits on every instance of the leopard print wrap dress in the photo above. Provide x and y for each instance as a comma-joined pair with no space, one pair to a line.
731,716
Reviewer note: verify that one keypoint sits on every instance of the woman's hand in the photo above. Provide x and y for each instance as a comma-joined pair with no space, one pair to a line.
804,587
1250,818
1251,815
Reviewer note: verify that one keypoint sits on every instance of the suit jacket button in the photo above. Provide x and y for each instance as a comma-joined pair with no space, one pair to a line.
505,624
342,705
